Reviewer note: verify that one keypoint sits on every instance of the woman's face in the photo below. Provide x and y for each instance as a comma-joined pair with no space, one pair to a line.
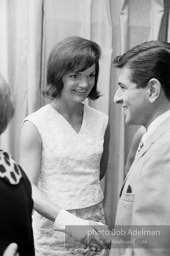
77,86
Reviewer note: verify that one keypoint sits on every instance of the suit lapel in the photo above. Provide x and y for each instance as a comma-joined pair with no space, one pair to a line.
162,128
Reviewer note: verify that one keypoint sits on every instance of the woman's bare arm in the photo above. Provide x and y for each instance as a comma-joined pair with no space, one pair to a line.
30,160
105,155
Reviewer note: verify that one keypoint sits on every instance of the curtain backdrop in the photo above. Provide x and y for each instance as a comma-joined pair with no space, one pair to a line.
29,29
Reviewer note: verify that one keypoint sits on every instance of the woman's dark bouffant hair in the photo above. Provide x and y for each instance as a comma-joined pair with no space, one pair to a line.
6,105
73,54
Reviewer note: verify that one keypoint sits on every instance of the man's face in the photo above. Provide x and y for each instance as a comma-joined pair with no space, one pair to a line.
134,100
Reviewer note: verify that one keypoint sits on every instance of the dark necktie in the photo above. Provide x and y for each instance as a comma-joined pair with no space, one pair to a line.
141,144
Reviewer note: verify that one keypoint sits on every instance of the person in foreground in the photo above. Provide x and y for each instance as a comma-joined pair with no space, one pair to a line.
16,202
144,205
64,149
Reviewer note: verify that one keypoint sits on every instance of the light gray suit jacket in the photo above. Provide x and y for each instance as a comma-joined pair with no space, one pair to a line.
145,198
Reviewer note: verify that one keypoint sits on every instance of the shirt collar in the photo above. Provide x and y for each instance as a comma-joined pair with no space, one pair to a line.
155,123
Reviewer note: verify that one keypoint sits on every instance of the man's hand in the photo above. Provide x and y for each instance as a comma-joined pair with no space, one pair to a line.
104,233
87,235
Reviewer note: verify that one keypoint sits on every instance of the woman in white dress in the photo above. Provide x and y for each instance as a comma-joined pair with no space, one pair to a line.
64,150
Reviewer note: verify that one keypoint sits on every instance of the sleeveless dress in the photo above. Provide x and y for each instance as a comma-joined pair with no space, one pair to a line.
70,170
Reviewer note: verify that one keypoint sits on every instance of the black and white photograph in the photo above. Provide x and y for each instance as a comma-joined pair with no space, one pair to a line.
84,127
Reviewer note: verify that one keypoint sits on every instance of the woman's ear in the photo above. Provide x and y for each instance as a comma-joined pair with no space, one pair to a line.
154,87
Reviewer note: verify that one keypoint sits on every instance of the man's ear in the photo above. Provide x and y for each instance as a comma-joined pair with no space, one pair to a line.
154,87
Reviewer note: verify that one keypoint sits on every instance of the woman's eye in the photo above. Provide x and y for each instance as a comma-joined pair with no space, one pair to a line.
73,76
92,75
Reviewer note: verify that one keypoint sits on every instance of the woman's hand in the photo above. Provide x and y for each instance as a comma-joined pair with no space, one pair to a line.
81,229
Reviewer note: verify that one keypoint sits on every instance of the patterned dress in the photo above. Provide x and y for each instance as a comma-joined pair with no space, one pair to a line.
15,207
70,170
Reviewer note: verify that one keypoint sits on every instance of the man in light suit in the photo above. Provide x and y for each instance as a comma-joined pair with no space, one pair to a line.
144,205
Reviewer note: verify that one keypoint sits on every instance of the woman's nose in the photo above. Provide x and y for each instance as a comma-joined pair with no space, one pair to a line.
118,97
83,82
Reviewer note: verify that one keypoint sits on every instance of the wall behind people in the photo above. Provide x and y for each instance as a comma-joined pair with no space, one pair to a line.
30,28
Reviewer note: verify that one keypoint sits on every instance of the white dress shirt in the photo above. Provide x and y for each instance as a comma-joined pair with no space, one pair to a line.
151,128
154,125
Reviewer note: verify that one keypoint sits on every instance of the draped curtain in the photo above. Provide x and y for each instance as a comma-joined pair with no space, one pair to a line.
29,29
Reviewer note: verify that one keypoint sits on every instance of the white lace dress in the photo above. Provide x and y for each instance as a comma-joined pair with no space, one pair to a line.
70,169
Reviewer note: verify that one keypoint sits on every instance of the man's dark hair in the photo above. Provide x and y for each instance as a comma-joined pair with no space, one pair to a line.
146,61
